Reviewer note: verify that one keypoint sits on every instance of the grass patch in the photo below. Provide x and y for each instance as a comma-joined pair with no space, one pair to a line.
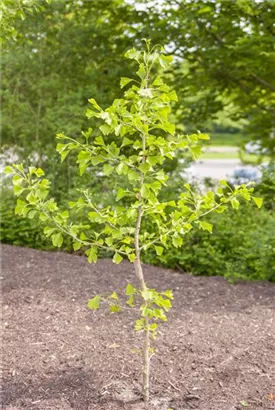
226,139
244,157
253,159
220,155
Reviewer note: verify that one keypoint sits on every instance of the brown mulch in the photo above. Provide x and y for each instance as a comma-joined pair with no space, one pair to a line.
216,352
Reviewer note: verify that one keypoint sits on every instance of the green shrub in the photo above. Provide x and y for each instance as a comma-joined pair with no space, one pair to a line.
20,231
16,230
266,188
242,246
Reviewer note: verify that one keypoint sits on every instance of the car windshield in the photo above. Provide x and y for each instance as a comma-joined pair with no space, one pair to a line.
245,173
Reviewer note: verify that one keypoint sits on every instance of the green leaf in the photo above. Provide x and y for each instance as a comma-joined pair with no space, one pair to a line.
131,301
159,250
92,254
205,226
139,325
82,168
122,169
177,241
120,194
126,141
49,230
109,241
130,290
77,245
133,175
57,239
124,81
94,104
108,169
39,172
141,71
95,160
99,141
206,9
133,54
144,167
132,257
146,92
165,61
94,303
17,190
114,296
203,137
64,155
117,258
91,113
258,201
195,151
32,214
235,203
8,170
145,191
105,129
164,303
21,208
168,294
114,308
157,81
173,96
60,136
170,128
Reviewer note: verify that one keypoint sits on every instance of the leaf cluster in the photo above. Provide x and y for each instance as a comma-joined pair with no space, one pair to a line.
141,120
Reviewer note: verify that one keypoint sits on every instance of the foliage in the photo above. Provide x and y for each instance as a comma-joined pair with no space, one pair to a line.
17,230
224,66
266,188
46,83
10,12
21,231
242,247
225,53
139,120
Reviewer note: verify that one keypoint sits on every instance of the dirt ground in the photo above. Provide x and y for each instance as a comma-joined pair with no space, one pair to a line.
216,352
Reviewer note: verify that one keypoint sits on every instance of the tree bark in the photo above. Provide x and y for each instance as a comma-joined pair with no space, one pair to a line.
146,343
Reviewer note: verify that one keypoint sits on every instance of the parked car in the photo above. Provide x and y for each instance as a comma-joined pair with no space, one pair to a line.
255,148
243,175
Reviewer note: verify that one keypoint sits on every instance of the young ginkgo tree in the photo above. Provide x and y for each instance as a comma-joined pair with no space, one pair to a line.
134,140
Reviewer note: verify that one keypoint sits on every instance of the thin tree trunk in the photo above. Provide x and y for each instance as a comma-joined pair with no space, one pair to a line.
139,273
146,343
146,363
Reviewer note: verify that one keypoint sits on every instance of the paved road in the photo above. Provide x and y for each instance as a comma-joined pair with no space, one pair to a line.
214,168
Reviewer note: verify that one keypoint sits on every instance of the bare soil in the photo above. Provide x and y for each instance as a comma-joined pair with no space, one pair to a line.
216,352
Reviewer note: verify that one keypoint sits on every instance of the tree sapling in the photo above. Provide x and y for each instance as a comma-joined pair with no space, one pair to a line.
134,140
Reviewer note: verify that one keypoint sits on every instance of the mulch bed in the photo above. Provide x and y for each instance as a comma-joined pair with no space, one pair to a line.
216,351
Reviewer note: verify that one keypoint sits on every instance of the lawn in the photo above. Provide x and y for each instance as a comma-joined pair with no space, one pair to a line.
226,139
244,157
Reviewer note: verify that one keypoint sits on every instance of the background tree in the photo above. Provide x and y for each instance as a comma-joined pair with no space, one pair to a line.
226,60
10,12
63,54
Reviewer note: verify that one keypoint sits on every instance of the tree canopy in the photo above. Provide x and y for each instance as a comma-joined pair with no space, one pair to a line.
67,51
226,59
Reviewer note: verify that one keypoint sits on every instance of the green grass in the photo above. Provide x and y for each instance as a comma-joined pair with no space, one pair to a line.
253,159
244,158
219,155
226,139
